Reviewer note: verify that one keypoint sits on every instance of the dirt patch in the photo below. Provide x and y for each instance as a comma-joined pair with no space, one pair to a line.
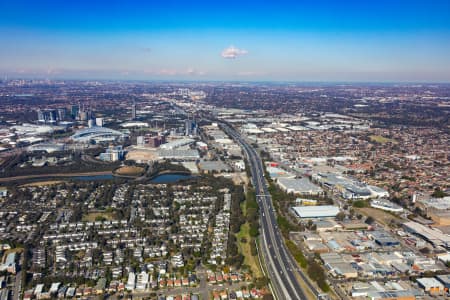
380,216
129,171
43,183
95,216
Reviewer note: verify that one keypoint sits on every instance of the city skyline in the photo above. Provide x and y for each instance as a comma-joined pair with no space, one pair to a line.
405,41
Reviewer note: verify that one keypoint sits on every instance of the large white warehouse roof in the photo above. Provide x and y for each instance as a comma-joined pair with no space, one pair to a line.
323,211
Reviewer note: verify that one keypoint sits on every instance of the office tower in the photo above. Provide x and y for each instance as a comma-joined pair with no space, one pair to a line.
74,111
53,115
133,111
61,113
48,115
41,117
188,127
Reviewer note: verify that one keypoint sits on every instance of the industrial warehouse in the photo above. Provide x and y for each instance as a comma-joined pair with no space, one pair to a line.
313,212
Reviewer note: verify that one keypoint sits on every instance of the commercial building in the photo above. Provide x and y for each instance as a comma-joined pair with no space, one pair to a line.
177,144
436,204
150,140
386,205
433,236
213,166
47,147
322,211
383,239
440,218
300,186
338,266
390,290
134,124
445,280
178,154
431,285
349,189
113,153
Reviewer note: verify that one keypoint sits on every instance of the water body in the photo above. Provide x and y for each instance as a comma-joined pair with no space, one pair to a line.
163,178
170,178
93,177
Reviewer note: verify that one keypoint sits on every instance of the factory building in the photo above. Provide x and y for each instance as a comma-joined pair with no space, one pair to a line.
299,186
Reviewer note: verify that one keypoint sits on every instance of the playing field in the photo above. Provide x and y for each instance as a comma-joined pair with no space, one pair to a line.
381,139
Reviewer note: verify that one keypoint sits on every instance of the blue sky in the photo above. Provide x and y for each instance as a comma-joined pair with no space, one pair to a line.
231,40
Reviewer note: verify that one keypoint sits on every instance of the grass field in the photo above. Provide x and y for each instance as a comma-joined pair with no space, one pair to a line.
244,248
380,216
249,259
381,139
129,171
91,217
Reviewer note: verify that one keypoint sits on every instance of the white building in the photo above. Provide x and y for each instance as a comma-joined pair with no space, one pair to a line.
99,122
301,186
142,281
131,282
322,211
386,205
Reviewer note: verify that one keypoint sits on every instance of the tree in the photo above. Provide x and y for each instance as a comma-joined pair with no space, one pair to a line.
370,220
261,282
340,216
438,193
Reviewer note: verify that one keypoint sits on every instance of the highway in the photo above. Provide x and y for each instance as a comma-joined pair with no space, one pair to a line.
282,268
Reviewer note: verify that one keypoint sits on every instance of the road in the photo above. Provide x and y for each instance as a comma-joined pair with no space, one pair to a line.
282,268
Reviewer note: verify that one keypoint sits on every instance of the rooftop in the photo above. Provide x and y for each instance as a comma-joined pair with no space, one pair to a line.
322,211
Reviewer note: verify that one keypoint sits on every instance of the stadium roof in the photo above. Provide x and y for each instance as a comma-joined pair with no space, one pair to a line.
97,134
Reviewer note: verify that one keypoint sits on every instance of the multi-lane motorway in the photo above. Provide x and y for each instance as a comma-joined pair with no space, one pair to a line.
282,269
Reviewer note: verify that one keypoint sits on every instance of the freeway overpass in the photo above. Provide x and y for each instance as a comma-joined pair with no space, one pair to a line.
282,268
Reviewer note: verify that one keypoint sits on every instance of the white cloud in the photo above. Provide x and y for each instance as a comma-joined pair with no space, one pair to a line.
233,52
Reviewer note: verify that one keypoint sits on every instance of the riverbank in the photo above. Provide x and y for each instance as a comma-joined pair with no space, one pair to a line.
60,175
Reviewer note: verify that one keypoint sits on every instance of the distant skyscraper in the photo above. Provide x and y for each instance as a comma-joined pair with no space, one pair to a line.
74,111
61,113
41,117
188,127
133,111
48,115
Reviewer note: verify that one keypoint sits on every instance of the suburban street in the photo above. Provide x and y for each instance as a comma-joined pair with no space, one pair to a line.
282,268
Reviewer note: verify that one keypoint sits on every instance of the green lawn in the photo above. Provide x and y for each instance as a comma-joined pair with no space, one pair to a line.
381,139
244,248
